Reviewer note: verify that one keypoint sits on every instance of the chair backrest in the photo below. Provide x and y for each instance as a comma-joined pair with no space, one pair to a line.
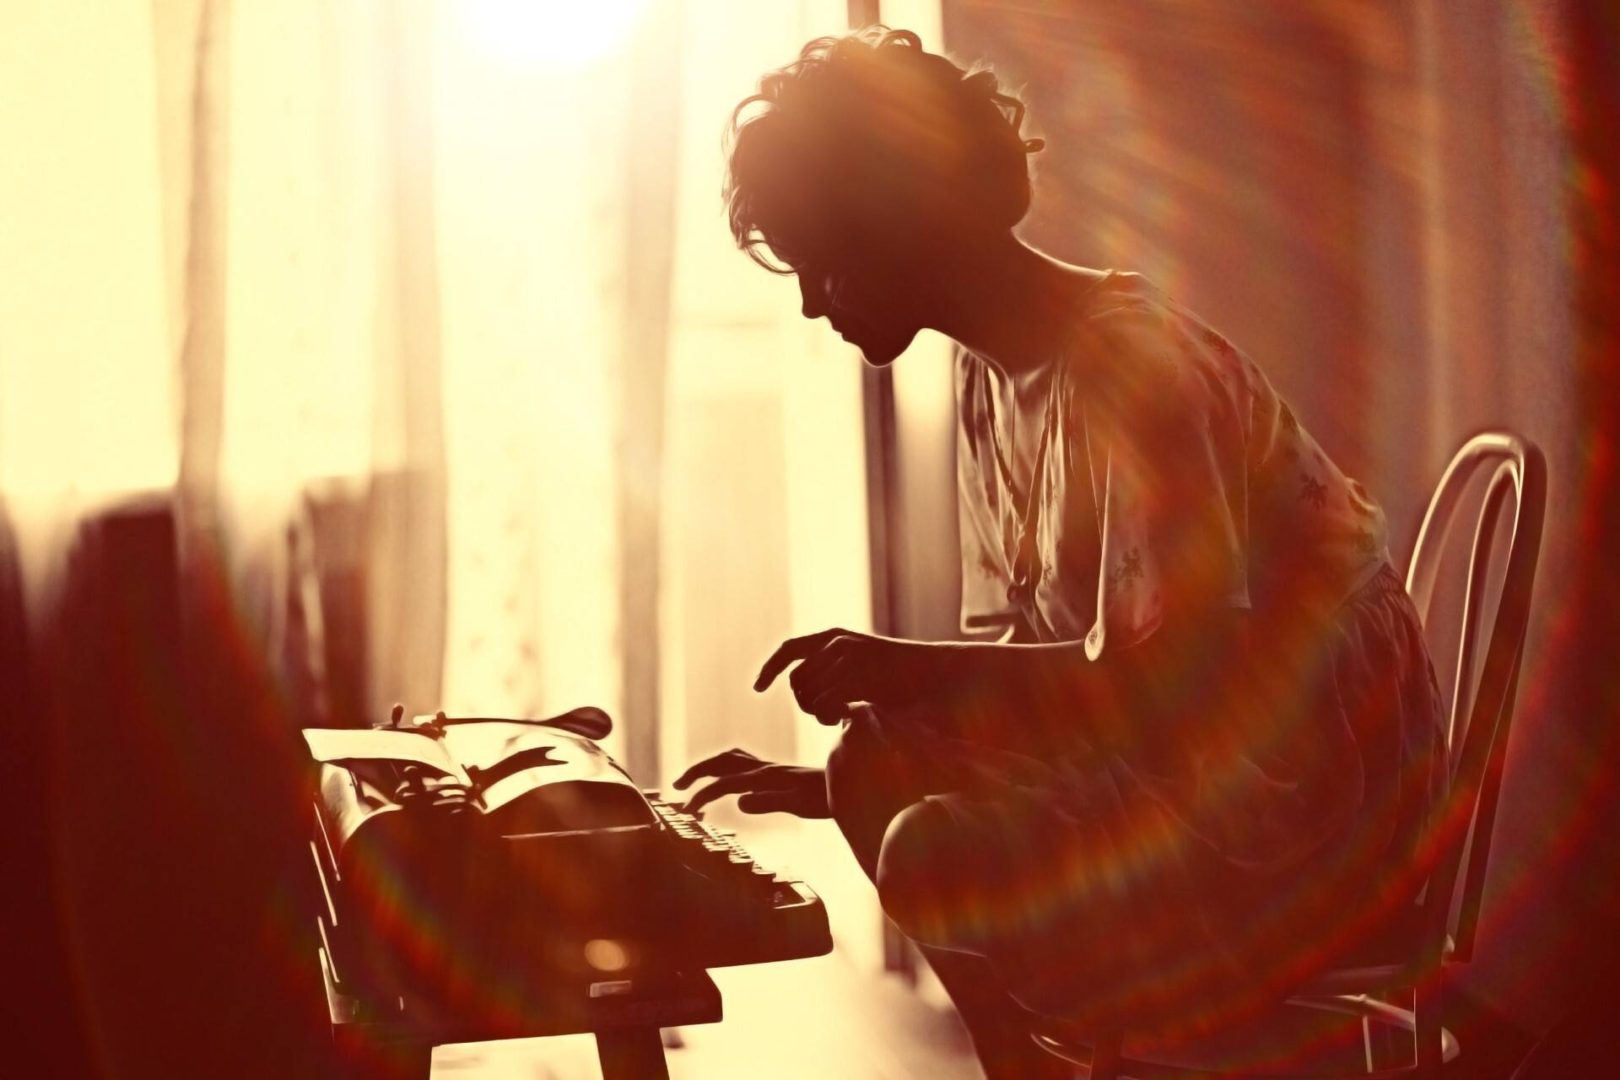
1486,682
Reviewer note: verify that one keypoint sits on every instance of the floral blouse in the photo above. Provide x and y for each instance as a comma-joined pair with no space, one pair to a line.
1170,480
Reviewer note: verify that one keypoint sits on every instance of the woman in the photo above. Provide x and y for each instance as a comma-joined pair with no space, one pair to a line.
1198,766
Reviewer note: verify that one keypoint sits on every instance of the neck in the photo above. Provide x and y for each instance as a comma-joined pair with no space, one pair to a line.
1008,302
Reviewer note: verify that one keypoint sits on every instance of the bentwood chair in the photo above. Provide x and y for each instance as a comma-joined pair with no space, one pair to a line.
1399,1000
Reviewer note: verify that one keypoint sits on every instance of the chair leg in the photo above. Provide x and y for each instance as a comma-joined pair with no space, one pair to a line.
1382,1042
1105,1052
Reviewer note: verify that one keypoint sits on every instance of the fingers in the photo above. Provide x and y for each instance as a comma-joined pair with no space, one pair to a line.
724,763
790,789
819,687
766,802
792,649
840,677
734,784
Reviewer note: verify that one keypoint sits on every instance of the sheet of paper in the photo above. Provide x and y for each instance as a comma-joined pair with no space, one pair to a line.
485,744
383,744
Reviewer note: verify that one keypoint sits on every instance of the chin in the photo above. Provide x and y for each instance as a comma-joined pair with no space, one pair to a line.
881,352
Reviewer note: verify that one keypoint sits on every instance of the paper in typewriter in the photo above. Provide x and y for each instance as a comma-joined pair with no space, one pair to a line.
501,759
334,745
547,756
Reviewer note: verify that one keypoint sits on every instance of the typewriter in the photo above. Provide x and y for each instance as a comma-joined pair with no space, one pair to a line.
485,878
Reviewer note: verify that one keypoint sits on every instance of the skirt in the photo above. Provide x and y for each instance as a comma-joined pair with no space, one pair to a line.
1114,888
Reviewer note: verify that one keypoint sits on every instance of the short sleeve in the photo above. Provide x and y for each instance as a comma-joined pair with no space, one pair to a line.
985,573
1166,443
984,578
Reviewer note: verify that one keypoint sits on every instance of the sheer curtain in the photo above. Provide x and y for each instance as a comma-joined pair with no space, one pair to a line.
87,401
466,261
435,297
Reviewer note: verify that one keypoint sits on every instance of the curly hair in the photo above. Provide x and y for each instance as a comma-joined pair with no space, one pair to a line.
866,137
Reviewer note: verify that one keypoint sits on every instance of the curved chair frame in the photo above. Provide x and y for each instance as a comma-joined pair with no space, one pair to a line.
1451,869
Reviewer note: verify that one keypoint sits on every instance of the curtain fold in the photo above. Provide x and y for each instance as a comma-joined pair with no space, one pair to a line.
407,559
419,254
376,351
650,132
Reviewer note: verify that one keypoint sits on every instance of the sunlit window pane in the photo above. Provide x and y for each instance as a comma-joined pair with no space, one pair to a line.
530,253
86,389
302,256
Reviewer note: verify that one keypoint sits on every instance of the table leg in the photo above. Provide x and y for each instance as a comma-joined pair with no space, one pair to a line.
631,1054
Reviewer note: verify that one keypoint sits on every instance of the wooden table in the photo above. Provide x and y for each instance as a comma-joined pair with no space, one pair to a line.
395,1040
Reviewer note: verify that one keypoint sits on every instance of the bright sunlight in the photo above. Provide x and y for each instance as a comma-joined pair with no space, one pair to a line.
553,32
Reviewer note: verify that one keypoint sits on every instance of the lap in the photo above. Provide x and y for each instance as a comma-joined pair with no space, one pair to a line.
994,830
905,756
1086,878
1080,902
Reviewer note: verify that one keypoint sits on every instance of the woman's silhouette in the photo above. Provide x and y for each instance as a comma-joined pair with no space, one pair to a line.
1189,774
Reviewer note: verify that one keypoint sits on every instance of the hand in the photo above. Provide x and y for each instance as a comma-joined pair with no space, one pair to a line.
839,669
761,786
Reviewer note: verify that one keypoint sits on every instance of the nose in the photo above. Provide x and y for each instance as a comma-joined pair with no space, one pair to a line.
813,290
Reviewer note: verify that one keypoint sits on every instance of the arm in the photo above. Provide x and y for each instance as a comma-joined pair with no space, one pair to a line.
980,688
1054,690
761,786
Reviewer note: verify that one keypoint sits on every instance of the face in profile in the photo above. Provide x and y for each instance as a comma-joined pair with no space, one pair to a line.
872,302
856,164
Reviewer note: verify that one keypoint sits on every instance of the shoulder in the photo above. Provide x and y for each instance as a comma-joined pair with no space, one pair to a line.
1127,348
1124,314
1132,320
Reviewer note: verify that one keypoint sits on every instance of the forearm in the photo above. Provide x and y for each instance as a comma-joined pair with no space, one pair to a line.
1048,693
1143,690
989,691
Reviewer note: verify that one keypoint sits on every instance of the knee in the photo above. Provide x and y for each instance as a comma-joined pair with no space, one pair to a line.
859,771
915,879
866,787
